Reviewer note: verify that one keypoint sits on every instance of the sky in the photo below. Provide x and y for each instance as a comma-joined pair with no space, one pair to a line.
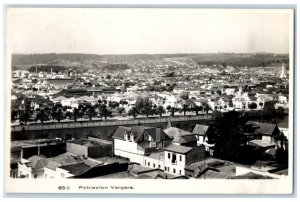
147,31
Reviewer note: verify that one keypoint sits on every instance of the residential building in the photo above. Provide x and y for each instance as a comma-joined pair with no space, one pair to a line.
137,141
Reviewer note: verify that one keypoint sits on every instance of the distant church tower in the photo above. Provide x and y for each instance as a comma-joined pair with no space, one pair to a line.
283,71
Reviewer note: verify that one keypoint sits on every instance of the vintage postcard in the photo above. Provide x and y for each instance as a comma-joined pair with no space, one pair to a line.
149,100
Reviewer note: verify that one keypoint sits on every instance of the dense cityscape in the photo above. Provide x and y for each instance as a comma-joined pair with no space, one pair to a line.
171,116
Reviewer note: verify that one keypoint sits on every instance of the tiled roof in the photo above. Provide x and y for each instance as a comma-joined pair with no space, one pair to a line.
200,129
119,133
76,169
156,133
178,149
263,128
179,135
202,164
34,160
38,162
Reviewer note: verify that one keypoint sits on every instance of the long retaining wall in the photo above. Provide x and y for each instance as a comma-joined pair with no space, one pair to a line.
89,124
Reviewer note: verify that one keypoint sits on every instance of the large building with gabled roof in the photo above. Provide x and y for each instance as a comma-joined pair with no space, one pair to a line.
138,141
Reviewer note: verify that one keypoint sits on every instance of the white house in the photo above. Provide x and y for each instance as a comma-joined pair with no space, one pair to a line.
178,156
136,142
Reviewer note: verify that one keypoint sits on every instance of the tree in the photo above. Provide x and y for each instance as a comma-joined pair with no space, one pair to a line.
252,105
121,110
41,115
59,115
173,110
206,108
184,108
69,114
91,112
280,112
144,105
168,107
104,111
269,109
14,115
133,112
197,109
200,108
75,114
160,110
123,102
113,104
24,116
229,139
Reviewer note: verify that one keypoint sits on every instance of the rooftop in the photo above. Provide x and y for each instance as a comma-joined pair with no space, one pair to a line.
157,155
252,175
212,174
264,128
179,135
77,169
178,149
262,143
200,129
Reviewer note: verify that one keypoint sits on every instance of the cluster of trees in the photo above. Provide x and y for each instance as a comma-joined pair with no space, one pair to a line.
144,106
227,132
59,112
186,108
230,143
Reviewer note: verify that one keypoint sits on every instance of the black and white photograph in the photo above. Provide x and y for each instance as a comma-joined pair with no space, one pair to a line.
130,100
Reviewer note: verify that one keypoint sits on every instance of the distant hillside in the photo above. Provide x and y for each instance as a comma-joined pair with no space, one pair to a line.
32,59
225,59
241,60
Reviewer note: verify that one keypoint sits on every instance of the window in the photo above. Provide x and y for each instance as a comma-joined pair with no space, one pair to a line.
173,158
145,162
148,163
174,171
165,168
169,155
180,158
153,165
62,175
35,175
158,166
179,172
168,168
